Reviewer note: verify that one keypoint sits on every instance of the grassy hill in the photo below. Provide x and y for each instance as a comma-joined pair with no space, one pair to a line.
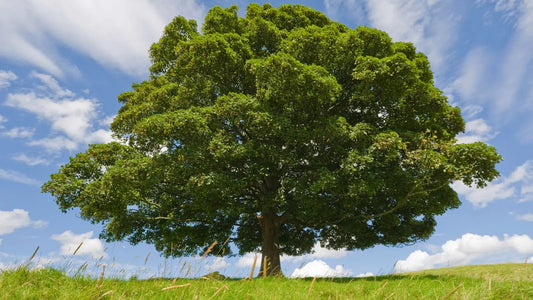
502,281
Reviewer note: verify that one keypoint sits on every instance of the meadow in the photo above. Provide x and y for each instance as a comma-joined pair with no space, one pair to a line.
500,281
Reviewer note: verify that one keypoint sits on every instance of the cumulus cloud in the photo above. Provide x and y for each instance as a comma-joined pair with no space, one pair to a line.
476,131
89,246
116,36
518,185
468,248
6,77
73,118
217,264
318,268
15,219
17,177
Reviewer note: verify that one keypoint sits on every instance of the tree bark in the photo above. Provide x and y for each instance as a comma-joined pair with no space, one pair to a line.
270,229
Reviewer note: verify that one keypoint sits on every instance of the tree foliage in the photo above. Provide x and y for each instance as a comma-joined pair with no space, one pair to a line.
276,130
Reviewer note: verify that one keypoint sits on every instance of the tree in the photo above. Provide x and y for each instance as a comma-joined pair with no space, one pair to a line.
276,131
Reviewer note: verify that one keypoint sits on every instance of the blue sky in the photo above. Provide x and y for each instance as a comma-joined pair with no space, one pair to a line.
63,63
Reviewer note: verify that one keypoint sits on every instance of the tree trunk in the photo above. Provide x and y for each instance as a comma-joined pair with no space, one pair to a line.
270,228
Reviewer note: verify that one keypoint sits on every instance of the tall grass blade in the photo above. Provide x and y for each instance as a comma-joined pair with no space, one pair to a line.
209,249
79,246
311,286
253,267
220,290
146,259
34,252
175,287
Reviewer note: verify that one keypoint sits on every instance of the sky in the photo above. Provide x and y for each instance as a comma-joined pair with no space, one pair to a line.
63,63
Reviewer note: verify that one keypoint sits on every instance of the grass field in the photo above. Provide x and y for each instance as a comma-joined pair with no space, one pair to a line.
502,281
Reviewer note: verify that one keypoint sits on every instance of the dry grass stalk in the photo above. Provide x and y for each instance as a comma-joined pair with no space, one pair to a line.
79,246
209,249
100,281
34,252
220,290
175,286
188,270
265,267
253,267
223,245
183,266
311,286
146,259
82,267
490,284
106,293
453,292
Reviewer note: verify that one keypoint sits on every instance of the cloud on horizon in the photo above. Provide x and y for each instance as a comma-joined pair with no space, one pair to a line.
318,268
468,248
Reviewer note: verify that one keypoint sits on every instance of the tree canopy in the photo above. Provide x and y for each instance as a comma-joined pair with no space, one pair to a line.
273,132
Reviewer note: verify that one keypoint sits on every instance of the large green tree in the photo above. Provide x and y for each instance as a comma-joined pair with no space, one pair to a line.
276,131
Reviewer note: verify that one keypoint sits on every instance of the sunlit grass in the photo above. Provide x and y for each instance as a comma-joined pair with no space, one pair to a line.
502,281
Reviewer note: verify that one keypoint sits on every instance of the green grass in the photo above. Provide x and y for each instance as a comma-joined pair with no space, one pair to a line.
503,281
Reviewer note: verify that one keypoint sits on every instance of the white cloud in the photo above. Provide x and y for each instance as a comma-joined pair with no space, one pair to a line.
70,242
318,251
318,268
472,83
476,131
70,116
117,35
107,120
31,161
468,248
321,252
516,67
19,132
217,264
526,217
6,77
470,111
17,177
2,120
15,219
51,84
55,144
518,185
367,274
247,260
506,87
